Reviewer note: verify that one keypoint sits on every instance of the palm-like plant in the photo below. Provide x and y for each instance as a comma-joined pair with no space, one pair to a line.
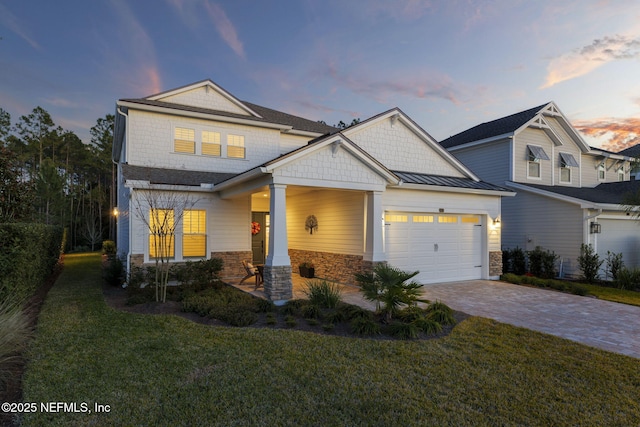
387,286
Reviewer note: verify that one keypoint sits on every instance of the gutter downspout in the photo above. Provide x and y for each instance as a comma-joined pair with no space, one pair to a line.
126,129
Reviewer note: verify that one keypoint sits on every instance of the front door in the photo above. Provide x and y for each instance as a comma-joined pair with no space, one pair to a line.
259,230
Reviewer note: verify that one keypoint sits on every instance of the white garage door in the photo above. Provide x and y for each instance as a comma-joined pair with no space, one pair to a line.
619,235
443,247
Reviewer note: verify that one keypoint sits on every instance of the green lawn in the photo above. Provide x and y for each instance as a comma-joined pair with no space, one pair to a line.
615,295
167,371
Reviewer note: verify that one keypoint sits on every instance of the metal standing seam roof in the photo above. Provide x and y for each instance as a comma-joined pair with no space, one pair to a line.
173,176
447,181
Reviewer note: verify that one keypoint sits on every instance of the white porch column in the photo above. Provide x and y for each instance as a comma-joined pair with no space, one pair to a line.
278,243
374,247
277,270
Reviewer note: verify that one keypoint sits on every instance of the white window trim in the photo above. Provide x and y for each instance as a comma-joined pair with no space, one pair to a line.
537,162
602,168
568,169
198,129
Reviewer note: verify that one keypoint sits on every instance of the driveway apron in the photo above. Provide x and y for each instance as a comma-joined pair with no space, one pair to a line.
603,324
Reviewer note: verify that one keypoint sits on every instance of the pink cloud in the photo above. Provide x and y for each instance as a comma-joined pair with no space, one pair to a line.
225,28
586,59
622,133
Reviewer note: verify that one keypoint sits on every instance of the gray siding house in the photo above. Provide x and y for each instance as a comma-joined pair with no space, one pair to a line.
568,193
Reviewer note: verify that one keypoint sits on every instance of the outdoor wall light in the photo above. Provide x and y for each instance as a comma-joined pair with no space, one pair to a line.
594,228
496,222
115,212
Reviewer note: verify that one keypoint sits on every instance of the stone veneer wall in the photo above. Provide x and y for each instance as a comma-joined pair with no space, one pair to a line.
495,263
232,263
277,283
331,266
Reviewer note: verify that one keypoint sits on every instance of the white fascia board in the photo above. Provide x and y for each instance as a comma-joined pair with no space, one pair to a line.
548,130
481,141
615,156
611,207
584,204
145,185
220,118
425,187
203,83
566,125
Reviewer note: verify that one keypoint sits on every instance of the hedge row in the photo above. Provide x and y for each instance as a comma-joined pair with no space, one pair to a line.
28,254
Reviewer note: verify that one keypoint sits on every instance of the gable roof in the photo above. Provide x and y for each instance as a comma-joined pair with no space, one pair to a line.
504,125
509,126
612,193
172,176
396,114
633,151
447,181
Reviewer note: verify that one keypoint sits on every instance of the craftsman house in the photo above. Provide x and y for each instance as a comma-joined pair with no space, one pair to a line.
568,193
279,190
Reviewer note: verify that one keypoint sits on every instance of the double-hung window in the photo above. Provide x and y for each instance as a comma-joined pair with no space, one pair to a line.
567,161
211,143
534,155
235,146
161,233
184,140
194,233
602,171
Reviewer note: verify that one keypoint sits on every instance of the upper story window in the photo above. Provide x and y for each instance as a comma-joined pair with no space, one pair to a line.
235,146
534,156
601,171
621,173
184,140
567,161
211,143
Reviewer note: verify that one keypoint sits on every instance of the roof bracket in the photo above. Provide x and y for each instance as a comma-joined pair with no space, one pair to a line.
394,119
335,146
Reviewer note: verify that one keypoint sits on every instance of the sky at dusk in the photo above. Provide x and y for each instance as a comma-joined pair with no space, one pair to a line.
448,64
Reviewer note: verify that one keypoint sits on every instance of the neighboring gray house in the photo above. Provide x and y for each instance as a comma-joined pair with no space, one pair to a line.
279,189
633,151
567,192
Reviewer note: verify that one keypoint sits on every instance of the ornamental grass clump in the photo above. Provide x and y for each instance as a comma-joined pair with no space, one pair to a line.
15,333
390,289
323,293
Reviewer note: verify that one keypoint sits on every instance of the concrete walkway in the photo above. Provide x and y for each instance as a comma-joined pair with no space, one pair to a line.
603,324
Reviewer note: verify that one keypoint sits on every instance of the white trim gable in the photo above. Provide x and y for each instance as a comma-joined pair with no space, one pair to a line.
205,94
383,134
538,122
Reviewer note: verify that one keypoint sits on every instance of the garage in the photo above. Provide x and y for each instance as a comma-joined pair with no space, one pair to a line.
443,247
620,235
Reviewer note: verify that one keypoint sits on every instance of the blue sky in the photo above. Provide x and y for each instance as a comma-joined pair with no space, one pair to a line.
448,64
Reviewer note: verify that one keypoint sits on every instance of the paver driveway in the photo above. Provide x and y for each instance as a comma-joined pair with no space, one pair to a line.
603,324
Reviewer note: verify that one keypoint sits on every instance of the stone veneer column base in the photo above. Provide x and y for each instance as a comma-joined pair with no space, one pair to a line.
495,263
136,259
277,283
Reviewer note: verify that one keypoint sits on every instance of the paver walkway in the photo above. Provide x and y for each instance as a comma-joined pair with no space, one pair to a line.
603,324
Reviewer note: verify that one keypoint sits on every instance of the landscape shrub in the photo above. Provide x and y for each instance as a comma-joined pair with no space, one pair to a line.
511,278
517,261
441,313
628,278
389,288
589,263
109,247
542,263
365,326
29,254
614,264
323,293
402,330
113,272
15,334
428,326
